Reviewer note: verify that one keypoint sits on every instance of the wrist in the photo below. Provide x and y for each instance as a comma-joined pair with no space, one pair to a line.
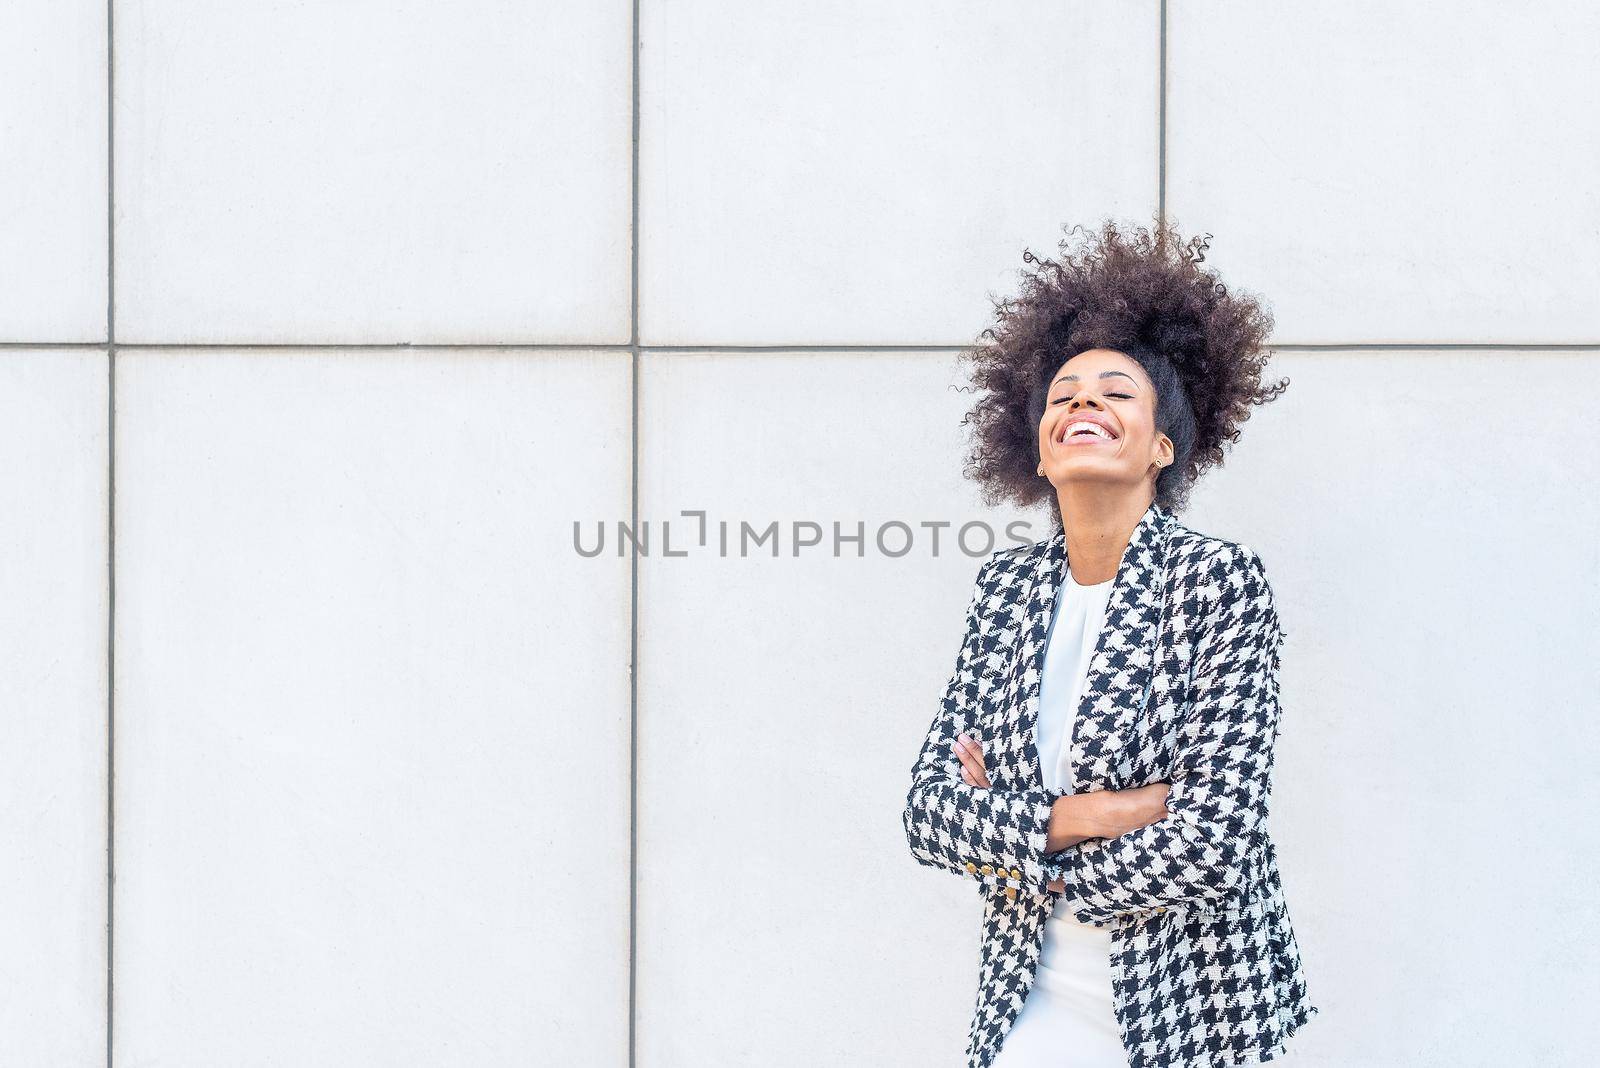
1106,813
1076,818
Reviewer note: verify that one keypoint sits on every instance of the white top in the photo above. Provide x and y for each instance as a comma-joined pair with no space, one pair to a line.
1069,1019
1074,631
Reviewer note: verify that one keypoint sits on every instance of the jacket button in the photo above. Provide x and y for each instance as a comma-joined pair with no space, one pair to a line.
1016,874
986,869
971,867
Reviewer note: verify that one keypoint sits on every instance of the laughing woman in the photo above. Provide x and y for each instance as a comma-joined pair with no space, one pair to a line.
1101,764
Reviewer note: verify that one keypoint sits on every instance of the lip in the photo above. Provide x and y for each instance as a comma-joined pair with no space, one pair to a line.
1087,439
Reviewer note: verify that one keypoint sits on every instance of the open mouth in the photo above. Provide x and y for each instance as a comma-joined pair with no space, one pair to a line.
1085,431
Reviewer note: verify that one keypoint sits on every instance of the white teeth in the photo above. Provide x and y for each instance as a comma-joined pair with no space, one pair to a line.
1093,428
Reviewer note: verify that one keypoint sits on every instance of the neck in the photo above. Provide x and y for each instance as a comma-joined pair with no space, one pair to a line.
1098,522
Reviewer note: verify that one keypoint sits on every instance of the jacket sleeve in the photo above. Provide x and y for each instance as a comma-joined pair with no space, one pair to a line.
996,837
1221,780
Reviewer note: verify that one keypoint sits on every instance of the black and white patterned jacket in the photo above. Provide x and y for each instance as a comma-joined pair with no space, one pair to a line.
1183,688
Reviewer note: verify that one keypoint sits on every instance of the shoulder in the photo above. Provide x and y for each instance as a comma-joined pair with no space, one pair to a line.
1217,559
1005,575
1006,568
1224,580
1227,583
1016,557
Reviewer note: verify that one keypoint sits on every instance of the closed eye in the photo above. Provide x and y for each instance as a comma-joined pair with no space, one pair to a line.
1124,396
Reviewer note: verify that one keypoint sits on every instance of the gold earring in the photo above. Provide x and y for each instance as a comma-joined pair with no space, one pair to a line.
1041,468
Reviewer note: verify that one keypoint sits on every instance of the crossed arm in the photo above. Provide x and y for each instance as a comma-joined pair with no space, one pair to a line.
997,837
1198,853
1076,818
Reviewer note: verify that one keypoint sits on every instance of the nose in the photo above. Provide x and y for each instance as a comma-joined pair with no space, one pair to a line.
1079,400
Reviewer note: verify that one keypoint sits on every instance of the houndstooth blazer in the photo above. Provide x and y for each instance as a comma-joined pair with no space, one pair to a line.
1183,688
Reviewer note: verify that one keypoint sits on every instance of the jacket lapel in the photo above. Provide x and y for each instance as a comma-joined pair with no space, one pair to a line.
1117,688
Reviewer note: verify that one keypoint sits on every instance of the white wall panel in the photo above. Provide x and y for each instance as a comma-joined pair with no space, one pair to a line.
372,710
373,172
53,170
782,702
1426,521
776,740
1393,172
53,493
862,173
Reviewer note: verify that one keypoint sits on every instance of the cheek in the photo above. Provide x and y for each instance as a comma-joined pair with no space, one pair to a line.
1140,428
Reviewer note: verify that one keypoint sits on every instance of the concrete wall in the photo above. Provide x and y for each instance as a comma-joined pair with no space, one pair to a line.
322,324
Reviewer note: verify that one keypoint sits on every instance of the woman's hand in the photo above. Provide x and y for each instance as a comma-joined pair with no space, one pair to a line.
1116,811
972,770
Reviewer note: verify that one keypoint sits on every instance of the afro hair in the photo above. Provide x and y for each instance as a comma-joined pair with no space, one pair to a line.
1142,292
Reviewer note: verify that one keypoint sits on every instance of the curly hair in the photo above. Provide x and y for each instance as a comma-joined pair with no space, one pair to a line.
1143,293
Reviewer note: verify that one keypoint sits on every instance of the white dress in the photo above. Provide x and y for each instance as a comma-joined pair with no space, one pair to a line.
1069,1019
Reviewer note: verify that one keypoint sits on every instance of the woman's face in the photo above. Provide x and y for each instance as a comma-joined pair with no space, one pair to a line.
1099,422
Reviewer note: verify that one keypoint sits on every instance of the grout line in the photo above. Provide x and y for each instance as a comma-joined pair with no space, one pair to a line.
101,344
635,358
111,684
784,347
1161,122
1293,346
289,346
111,528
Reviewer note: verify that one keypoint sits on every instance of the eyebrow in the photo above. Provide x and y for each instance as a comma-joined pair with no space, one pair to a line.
1102,374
